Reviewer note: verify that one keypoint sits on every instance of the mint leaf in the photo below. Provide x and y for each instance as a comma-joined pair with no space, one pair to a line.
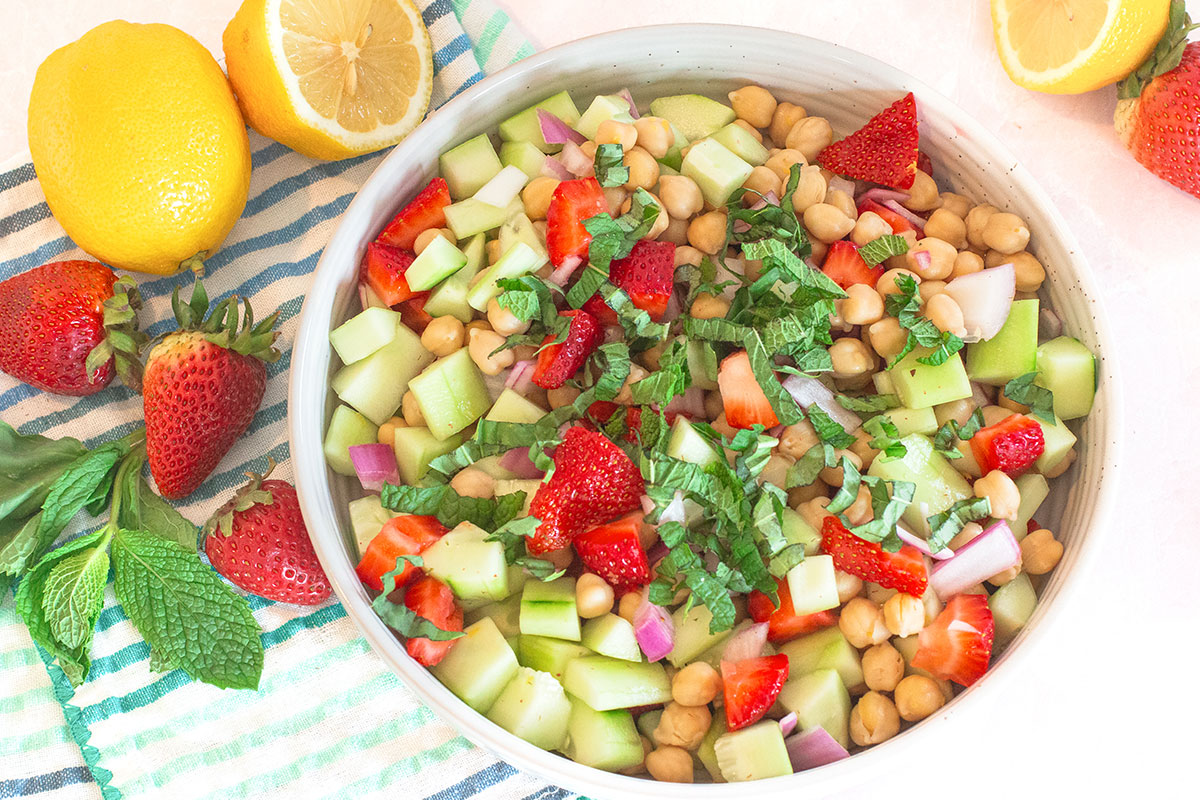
828,430
609,165
905,306
847,493
184,610
514,536
869,404
612,363
672,378
28,467
886,437
159,662
451,508
809,466
879,250
1039,399
945,525
945,441
887,508
73,594
636,322
782,402
402,619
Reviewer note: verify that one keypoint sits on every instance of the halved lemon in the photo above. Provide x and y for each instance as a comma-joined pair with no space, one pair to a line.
1074,46
330,78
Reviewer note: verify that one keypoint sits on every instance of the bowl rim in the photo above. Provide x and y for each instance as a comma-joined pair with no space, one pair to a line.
307,410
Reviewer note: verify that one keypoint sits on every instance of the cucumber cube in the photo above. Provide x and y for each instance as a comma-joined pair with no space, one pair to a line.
478,667
518,228
605,740
695,115
742,144
364,333
717,170
692,636
913,420
367,518
519,259
470,216
797,531
1068,369
415,447
451,393
608,683
438,261
938,484
534,707
687,445
1012,352
525,156
1059,441
647,722
450,298
707,752
1033,488
347,428
1012,605
504,613
510,406
824,649
603,107
548,609
612,636
921,385
820,698
813,584
524,126
547,654
469,166
883,382
504,187
469,564
753,753
375,385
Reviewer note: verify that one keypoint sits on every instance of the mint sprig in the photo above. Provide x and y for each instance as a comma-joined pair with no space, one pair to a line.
610,168
1040,400
905,306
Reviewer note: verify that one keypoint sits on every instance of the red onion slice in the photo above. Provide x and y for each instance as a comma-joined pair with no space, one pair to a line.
563,272
519,372
881,195
787,724
517,462
628,98
985,298
555,131
648,504
810,391
992,551
576,161
746,643
654,630
919,222
553,168
375,465
813,748
839,184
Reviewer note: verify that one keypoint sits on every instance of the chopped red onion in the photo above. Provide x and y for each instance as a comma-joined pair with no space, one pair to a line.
980,395
992,551
918,221
517,462
521,371
628,98
375,465
1050,324
690,403
813,748
922,545
654,630
768,199
740,226
840,184
577,162
787,723
562,273
555,131
810,391
881,195
985,298
923,258
553,168
746,643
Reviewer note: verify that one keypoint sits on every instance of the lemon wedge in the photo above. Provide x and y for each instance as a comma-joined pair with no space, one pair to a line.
330,78
1074,46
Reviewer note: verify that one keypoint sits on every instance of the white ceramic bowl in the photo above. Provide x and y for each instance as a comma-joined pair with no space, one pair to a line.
840,84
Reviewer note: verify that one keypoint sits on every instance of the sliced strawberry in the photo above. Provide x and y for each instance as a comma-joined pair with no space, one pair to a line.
602,411
413,313
430,598
898,222
783,623
882,151
614,551
924,163
593,482
958,644
426,210
556,363
572,202
1011,445
647,275
903,570
383,270
845,267
744,400
405,535
751,687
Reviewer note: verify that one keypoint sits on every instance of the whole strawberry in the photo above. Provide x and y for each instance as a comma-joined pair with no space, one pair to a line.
67,327
201,389
258,541
1158,115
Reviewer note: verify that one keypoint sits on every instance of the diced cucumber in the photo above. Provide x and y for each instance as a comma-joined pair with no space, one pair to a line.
548,609
707,752
367,518
469,166
534,707
451,393
695,115
647,722
506,613
478,667
604,106
883,382
819,698
938,484
364,333
525,156
691,634
702,364
1059,441
607,683
713,655
438,261
560,590
1033,488
415,447
687,445
510,406
524,127
518,228
1012,352
519,259
824,649
470,216
753,753
1012,605
605,740
450,298
504,187
547,654
375,385
797,531
715,169
921,385
471,566
612,636
1068,369
913,420
742,144
347,428
813,584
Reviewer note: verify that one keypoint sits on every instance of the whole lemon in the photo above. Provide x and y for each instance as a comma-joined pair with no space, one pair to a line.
139,146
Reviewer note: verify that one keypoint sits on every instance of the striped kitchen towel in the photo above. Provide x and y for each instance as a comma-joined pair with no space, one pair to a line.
330,720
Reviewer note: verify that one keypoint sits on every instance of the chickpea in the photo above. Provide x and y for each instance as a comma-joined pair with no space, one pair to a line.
473,482
810,136
918,696
610,131
614,198
706,232
860,510
492,249
966,263
797,496
827,222
754,104
848,586
537,194
781,164
862,623
562,396
958,410
1001,492
947,226
843,202
873,719
722,426
503,321
944,312
928,289
643,170
956,204
654,135
750,129
798,439
976,220
887,337
862,306
1062,466
1004,401
923,196
880,594
1005,232
834,475
697,684
707,306
862,447
882,667
387,431
784,119
683,726
810,190
688,255
593,595
670,764
1040,552
481,344
429,234
589,149
904,614
869,227
819,250
901,262
411,410
940,261
675,232
628,605
443,335
850,357
761,180
661,222
887,281
680,195
994,414
1030,272
1005,575
625,396
963,537
813,512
